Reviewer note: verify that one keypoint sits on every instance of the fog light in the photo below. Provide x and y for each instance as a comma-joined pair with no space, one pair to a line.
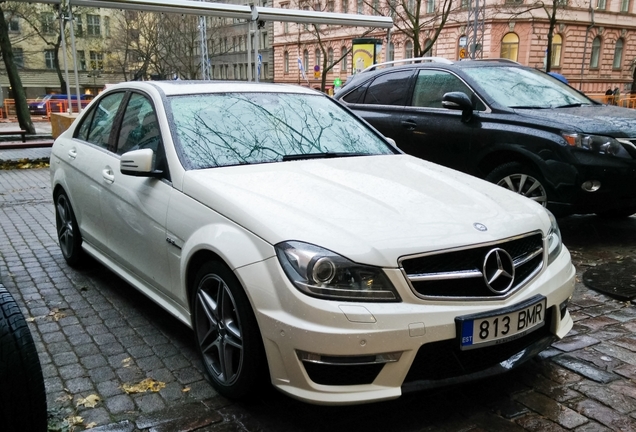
591,186
349,360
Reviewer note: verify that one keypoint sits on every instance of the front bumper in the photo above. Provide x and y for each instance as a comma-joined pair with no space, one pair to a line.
331,352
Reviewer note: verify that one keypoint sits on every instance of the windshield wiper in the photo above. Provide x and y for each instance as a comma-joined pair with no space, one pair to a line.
529,107
573,105
325,155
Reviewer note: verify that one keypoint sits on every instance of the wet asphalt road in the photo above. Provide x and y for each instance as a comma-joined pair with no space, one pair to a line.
94,333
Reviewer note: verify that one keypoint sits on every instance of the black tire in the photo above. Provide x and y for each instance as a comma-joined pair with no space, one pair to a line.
68,233
226,332
22,393
521,179
617,213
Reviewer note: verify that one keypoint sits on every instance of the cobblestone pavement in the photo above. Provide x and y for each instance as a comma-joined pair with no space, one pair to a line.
94,333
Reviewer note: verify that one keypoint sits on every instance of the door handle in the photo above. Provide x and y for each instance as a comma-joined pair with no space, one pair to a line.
108,175
72,153
409,124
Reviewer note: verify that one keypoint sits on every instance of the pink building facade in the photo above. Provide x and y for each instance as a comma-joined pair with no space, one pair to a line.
593,50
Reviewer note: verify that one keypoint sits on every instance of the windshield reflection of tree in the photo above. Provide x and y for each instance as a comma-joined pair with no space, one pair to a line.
231,129
523,88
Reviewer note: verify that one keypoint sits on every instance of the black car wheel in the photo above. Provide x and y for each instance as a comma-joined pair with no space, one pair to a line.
520,179
68,232
22,392
227,334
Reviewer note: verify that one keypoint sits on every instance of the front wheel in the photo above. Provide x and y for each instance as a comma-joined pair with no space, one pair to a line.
226,331
520,179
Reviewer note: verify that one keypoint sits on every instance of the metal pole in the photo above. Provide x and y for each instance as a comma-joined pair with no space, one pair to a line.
72,28
64,55
257,44
587,32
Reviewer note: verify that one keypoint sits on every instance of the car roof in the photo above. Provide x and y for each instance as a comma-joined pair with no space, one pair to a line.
179,87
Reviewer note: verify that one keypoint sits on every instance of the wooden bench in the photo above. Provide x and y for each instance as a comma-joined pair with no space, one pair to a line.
14,132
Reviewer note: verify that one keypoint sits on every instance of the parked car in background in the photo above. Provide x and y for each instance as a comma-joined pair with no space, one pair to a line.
47,103
509,124
301,246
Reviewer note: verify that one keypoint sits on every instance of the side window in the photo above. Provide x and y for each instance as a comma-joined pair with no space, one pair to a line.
431,85
357,95
99,123
389,89
139,127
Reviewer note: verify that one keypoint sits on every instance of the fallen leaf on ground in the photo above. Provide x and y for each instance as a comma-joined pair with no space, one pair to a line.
91,425
126,362
186,389
146,385
57,314
90,401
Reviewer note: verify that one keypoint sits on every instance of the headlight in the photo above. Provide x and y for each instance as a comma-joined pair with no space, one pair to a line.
596,143
554,239
318,272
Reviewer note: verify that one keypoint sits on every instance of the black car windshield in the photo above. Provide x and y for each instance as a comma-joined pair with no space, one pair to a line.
516,87
222,129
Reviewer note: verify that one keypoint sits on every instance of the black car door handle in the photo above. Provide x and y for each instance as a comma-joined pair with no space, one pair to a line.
409,124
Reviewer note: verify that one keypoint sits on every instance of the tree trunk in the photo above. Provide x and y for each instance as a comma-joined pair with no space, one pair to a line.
21,106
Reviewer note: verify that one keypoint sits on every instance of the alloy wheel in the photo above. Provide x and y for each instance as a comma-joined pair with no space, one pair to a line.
527,186
64,221
219,329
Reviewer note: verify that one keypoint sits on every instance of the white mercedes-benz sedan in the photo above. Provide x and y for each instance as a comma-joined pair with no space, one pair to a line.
301,246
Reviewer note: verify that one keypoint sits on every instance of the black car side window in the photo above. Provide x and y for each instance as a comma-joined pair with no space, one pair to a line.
432,85
101,120
389,89
357,94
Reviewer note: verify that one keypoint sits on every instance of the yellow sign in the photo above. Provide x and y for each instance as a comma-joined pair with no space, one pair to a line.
316,74
362,56
462,53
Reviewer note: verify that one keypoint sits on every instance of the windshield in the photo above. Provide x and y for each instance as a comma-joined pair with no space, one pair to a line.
516,87
224,129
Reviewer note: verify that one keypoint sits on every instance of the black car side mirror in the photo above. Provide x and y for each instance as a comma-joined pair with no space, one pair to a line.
459,101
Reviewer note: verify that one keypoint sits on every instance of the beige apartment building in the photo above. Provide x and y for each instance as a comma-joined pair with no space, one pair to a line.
594,46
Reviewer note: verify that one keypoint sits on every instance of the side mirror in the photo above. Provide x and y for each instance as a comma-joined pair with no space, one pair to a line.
139,163
391,141
459,101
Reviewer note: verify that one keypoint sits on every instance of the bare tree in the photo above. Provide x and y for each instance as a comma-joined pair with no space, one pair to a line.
22,108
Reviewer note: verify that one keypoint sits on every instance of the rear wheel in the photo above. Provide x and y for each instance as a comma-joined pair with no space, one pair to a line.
68,233
227,333
521,179
22,393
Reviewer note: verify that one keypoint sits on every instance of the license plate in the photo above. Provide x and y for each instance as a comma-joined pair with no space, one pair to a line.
501,326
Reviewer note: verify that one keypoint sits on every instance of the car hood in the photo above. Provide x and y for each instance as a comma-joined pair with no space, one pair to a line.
597,119
370,209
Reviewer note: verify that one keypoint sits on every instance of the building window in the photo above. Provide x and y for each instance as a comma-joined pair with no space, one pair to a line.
557,44
92,25
624,5
596,52
107,26
97,60
360,7
618,54
14,25
49,59
464,4
329,56
81,59
408,50
264,41
429,51
510,47
318,56
376,7
392,8
79,26
601,4
391,52
331,6
48,22
345,6
286,62
306,60
345,55
430,6
18,57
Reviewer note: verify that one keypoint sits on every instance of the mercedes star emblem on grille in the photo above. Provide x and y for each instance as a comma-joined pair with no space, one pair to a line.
499,271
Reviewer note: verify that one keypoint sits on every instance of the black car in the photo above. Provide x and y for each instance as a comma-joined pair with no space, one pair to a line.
510,124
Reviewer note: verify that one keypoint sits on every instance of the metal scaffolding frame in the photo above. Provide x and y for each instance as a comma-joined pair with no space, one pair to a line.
475,28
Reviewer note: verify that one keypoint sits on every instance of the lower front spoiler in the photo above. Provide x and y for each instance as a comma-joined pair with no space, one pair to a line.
499,368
